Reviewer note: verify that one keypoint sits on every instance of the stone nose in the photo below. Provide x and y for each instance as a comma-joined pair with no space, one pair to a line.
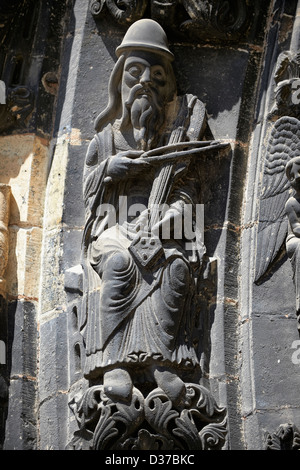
146,76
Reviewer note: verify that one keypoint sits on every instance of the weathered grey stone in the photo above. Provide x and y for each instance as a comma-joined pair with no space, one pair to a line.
54,422
22,339
21,422
54,362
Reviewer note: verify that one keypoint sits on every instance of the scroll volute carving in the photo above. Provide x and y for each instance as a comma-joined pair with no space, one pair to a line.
5,192
124,11
203,20
215,18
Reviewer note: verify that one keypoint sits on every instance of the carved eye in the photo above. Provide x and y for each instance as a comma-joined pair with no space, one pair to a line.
158,73
135,71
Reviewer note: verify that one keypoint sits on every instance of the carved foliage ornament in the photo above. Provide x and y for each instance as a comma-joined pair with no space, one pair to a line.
148,422
199,19
286,437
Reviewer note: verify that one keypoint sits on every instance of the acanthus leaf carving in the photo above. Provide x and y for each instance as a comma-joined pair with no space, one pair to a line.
287,84
286,437
148,423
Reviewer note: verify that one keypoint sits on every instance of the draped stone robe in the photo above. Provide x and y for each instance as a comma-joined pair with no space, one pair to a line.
131,316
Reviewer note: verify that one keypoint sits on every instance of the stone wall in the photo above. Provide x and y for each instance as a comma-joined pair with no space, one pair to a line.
31,34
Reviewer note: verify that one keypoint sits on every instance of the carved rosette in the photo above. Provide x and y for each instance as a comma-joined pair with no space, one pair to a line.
4,240
148,423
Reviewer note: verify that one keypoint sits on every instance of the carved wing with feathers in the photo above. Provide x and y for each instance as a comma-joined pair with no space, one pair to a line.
283,144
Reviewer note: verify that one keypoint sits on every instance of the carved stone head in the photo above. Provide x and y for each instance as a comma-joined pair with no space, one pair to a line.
292,170
145,35
142,78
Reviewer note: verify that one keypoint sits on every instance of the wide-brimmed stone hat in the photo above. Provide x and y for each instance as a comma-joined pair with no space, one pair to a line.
146,35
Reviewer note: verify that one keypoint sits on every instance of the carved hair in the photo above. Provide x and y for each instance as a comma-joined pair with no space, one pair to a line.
114,96
113,107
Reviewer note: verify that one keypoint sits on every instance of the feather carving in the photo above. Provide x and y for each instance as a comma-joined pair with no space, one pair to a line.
283,144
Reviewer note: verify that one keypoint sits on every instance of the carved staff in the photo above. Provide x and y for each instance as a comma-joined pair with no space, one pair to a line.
163,181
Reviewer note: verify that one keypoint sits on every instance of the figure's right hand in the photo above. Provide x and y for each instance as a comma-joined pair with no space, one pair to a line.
126,164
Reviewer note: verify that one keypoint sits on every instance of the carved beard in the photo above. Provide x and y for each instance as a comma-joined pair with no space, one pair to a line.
146,116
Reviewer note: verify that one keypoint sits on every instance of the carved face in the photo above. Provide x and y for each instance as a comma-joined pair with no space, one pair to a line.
145,75
294,174
145,89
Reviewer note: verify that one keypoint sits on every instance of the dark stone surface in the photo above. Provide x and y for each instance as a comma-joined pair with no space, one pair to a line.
21,423
35,43
54,419
53,368
3,369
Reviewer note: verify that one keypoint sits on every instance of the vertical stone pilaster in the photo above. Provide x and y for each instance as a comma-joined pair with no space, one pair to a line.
24,163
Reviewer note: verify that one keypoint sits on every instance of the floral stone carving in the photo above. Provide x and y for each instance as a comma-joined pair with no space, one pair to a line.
149,422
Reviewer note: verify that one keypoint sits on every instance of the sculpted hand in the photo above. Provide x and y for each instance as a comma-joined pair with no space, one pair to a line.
143,221
126,164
